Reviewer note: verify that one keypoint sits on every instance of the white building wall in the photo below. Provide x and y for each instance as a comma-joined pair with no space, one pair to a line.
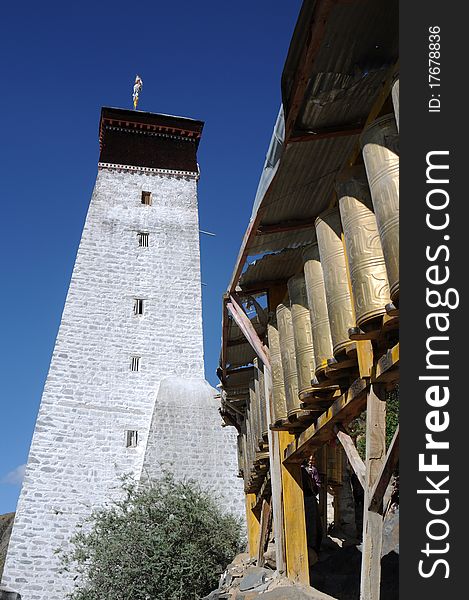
91,397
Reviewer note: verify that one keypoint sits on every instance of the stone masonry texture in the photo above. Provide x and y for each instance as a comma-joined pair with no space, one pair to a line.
91,397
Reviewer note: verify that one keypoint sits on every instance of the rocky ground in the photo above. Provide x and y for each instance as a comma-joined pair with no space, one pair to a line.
334,574
242,580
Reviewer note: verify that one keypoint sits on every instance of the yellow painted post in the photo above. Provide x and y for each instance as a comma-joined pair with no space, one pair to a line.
296,547
252,526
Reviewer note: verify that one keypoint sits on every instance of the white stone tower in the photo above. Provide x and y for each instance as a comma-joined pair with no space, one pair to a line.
125,391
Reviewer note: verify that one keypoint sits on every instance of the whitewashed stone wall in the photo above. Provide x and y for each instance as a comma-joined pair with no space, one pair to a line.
204,449
91,397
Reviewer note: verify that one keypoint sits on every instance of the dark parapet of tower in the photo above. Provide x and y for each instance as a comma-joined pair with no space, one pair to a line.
144,139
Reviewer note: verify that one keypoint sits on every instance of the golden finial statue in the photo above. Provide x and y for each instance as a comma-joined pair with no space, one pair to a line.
137,89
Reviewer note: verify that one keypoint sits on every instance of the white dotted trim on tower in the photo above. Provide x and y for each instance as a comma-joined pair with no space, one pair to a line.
153,133
190,174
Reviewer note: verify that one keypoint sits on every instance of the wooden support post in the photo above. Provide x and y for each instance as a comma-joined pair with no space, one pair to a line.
264,528
275,479
323,492
296,547
252,523
385,474
372,521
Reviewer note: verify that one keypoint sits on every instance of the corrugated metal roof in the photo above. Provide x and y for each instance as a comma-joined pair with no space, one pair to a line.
359,47
360,38
272,267
303,187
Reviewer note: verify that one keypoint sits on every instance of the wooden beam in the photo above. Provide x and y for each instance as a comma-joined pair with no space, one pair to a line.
224,336
243,253
372,521
386,369
365,357
353,457
296,546
384,476
323,491
244,323
347,406
275,479
252,524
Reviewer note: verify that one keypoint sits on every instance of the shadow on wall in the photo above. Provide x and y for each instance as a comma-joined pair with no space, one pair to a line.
187,439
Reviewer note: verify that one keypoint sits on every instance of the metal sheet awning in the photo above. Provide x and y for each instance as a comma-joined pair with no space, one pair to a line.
341,62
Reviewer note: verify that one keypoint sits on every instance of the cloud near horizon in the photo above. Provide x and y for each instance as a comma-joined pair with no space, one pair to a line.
15,477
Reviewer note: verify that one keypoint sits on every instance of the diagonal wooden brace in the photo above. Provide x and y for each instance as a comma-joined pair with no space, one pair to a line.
352,454
242,320
384,476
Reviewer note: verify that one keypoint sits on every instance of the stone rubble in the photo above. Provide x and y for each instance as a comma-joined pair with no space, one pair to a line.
242,580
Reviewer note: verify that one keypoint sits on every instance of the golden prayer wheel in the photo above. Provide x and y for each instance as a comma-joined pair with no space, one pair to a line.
254,414
287,353
260,395
339,304
251,441
279,406
380,155
395,101
320,328
302,334
363,246
335,463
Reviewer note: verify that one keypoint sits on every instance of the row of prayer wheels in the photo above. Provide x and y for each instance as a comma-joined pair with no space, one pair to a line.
350,278
252,442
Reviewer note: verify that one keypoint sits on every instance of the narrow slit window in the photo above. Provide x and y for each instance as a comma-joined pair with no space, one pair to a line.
146,198
138,306
131,438
142,239
135,363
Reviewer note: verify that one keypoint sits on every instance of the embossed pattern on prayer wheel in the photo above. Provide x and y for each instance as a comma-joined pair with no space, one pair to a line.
279,406
395,101
287,353
339,304
260,394
302,334
380,155
320,328
363,246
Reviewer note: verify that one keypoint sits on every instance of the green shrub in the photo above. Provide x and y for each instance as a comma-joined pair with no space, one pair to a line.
169,541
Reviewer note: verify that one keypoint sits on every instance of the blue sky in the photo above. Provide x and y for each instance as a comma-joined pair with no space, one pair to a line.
216,61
